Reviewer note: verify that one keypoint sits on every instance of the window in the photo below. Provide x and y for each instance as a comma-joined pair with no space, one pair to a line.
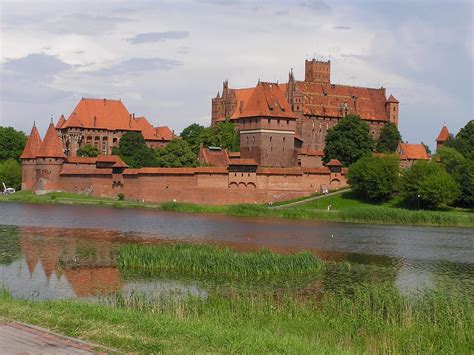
287,122
278,121
268,120
270,138
284,139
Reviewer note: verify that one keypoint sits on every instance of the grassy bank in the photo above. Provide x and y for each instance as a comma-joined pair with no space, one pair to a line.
216,261
373,319
345,207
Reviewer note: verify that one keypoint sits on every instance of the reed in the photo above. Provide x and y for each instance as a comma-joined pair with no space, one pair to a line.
402,216
204,259
371,319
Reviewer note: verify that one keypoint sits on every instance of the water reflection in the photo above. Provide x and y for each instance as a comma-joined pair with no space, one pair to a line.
53,263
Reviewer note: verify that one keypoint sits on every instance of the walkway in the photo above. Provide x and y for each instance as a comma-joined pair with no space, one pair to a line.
306,200
18,338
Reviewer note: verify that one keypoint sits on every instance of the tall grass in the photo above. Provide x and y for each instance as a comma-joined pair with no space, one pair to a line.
203,259
371,319
402,216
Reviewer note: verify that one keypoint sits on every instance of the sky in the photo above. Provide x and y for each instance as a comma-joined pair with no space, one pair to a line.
167,59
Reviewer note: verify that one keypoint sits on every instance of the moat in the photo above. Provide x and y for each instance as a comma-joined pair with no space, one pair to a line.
55,252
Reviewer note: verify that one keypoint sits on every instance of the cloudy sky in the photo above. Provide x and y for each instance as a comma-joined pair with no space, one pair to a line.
166,59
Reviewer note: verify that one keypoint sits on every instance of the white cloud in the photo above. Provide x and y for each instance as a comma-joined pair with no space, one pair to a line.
184,50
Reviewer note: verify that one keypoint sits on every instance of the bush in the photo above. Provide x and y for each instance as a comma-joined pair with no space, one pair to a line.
121,196
176,154
88,151
374,178
429,185
10,174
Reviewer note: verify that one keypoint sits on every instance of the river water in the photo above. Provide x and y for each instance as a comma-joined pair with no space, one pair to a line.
57,251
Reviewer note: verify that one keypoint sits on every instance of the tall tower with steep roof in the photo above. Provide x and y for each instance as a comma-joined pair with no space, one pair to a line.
28,160
49,162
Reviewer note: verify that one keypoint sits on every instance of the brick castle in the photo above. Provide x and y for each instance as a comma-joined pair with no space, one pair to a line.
282,131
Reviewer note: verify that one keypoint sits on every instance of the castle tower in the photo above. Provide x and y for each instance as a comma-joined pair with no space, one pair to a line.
267,128
49,162
28,160
317,71
443,136
391,106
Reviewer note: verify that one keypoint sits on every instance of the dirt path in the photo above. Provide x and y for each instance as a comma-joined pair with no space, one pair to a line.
19,338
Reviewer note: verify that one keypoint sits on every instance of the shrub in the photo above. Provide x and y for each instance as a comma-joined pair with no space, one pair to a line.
429,185
88,151
374,178
10,174
121,196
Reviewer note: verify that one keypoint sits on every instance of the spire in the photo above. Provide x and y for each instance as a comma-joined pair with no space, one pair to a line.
392,99
51,146
32,144
61,121
443,134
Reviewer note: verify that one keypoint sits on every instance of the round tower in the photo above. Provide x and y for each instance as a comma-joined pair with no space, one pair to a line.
49,162
28,160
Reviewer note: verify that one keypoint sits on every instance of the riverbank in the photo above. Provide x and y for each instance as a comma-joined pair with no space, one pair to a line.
374,319
344,207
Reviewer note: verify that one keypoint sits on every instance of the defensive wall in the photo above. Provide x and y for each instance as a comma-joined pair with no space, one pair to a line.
207,185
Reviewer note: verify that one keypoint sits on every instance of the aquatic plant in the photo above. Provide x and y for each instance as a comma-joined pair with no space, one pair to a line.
204,259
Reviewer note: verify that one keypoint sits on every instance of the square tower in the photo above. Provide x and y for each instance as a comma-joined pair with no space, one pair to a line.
317,71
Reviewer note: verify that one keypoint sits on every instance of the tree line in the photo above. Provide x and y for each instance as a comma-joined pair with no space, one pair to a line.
446,180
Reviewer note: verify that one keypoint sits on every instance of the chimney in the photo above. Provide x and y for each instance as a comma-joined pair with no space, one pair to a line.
133,115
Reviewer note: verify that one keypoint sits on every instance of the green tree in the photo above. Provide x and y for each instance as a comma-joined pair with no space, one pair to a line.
12,143
429,185
450,158
10,174
464,140
374,178
134,151
177,153
88,151
462,170
388,139
348,140
223,135
465,175
192,135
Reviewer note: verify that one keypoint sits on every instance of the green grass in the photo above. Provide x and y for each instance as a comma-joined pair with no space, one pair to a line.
375,319
345,207
215,261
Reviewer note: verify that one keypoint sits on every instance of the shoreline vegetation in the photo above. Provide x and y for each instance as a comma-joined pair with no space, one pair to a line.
345,207
370,317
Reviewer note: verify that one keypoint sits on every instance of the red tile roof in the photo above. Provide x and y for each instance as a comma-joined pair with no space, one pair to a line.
233,155
51,147
266,100
393,99
61,121
108,159
101,114
443,134
165,133
334,162
242,162
328,99
32,145
413,152
214,157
